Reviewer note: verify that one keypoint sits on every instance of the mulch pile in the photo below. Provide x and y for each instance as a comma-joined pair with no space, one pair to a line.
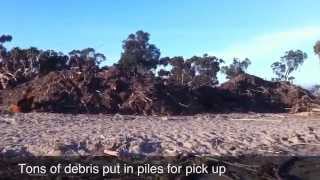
113,91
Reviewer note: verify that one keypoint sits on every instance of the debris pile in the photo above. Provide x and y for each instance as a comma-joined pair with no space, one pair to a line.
113,91
254,93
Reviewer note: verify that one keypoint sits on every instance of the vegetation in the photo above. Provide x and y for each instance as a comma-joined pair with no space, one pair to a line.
194,72
315,90
138,54
316,48
20,65
237,67
76,82
288,64
5,38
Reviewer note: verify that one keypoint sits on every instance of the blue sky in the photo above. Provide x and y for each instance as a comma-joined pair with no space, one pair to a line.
259,30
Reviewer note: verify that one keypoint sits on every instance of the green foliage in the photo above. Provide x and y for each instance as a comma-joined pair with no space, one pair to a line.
20,65
5,38
138,54
181,72
85,59
237,67
315,90
316,48
288,64
3,51
163,73
205,69
192,72
52,61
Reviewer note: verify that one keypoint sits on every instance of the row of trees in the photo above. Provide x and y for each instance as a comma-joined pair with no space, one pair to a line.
20,65
139,56
194,72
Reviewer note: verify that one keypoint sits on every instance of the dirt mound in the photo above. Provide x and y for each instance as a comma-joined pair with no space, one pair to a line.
113,91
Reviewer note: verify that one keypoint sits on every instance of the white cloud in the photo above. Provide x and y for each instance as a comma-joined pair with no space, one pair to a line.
264,49
266,44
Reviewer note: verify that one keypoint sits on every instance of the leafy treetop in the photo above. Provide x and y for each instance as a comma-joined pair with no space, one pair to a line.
138,54
237,67
288,64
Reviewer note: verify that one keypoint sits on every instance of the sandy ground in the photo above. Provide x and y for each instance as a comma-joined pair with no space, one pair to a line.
212,134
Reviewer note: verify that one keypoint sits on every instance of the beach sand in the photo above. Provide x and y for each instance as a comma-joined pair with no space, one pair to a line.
43,134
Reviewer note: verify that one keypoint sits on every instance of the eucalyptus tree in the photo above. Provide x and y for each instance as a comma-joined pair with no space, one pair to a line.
288,63
5,38
139,56
3,50
237,67
85,59
181,71
193,72
206,69
316,48
51,60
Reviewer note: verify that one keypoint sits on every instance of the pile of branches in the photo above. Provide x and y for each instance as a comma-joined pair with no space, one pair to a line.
257,94
49,81
114,91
